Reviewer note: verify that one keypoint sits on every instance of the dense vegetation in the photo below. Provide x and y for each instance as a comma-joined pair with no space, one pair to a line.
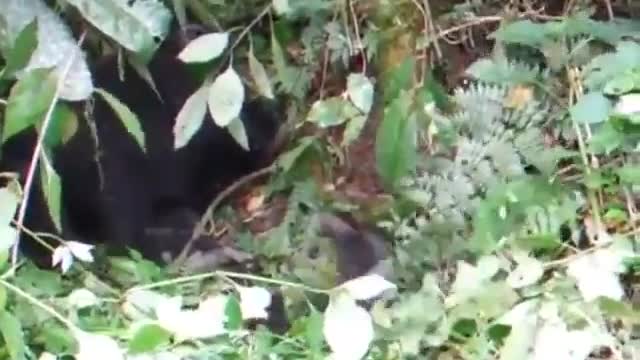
494,141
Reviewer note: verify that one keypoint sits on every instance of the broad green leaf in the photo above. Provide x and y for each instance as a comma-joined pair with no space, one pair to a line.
396,142
313,331
233,313
11,331
190,117
147,338
52,189
238,132
133,24
524,32
360,91
28,101
332,111
398,79
629,174
593,108
259,75
23,48
62,127
204,48
128,118
226,96
353,129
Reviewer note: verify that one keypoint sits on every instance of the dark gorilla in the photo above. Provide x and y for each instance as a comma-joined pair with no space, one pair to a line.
114,194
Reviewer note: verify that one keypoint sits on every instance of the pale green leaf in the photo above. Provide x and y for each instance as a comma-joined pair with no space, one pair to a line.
593,108
128,118
360,91
190,117
226,96
259,75
239,133
204,48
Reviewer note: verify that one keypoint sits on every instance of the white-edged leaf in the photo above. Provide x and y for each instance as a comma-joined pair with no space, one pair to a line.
367,287
55,45
347,328
226,96
97,347
204,48
190,117
128,118
259,75
239,133
360,91
190,324
254,302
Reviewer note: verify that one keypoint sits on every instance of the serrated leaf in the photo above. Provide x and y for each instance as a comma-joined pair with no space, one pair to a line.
259,75
396,142
238,132
24,46
147,338
190,118
133,24
28,102
360,91
128,118
204,48
226,96
11,331
593,108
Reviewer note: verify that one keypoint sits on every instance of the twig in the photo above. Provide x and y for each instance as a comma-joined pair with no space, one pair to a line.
263,13
38,148
200,227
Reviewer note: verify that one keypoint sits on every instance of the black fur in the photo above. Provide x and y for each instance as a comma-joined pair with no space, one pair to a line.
114,199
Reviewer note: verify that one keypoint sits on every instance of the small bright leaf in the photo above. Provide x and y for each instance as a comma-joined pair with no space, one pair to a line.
97,347
596,274
360,91
226,96
204,48
367,287
254,302
128,118
148,337
190,117
528,272
239,133
189,324
259,75
9,201
348,328
82,298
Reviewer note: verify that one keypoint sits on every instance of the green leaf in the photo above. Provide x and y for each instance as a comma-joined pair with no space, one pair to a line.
128,118
9,201
234,314
63,125
332,111
360,91
289,158
629,174
238,133
190,118
225,98
133,24
313,331
52,189
260,76
148,337
398,79
11,331
592,108
353,129
23,48
396,142
28,101
204,48
524,32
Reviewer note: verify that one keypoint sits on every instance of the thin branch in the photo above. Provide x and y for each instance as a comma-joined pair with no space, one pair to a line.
38,148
